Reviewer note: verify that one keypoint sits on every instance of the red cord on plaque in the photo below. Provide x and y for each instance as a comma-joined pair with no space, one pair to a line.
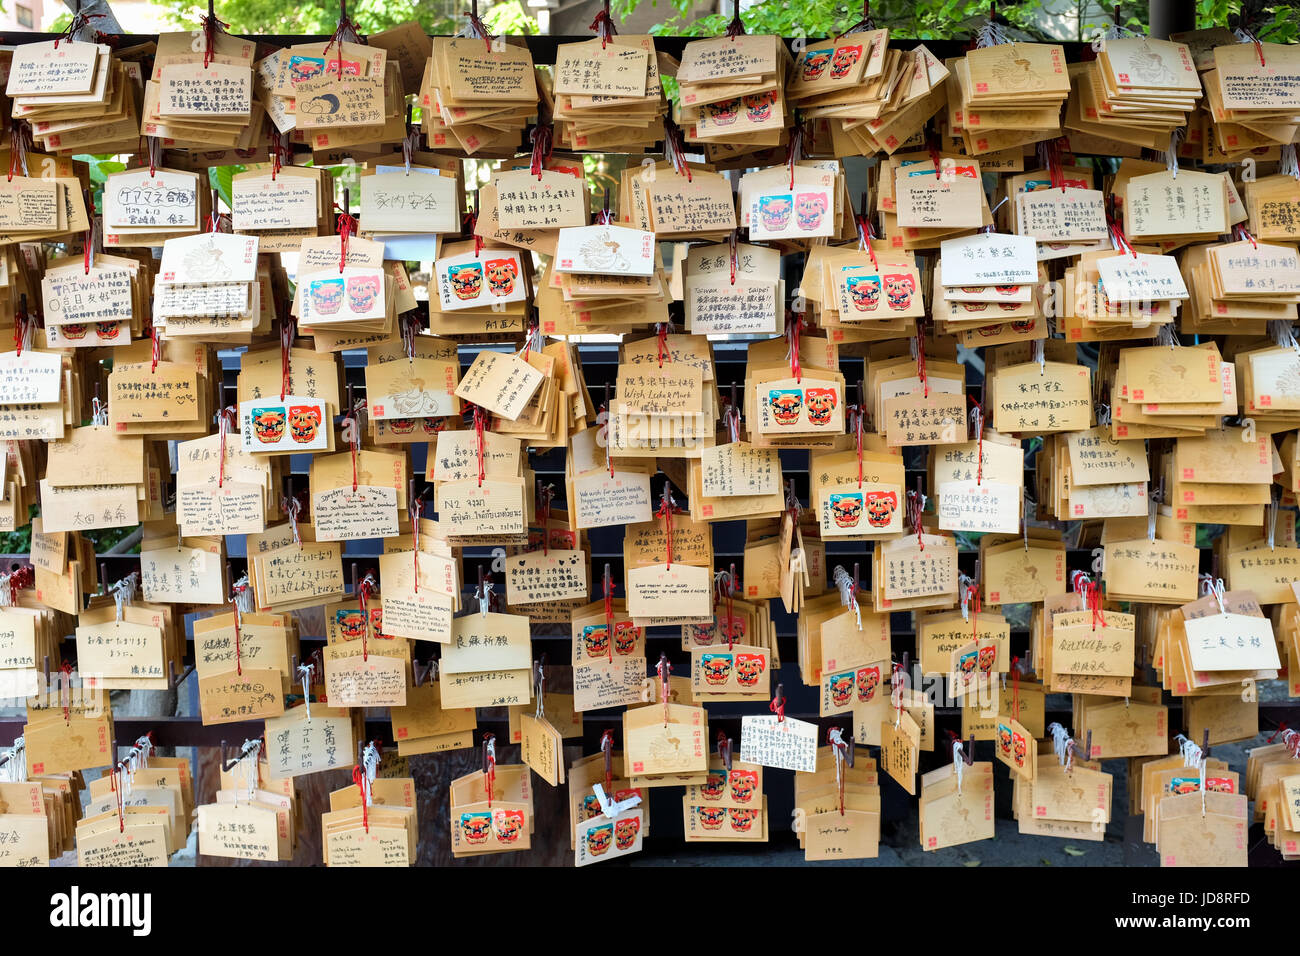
477,28
347,227
345,31
225,421
603,25
480,427
241,603
365,590
609,614
489,766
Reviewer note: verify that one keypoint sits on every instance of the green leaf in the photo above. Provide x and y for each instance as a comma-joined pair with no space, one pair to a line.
509,19
1073,851
99,171
221,178
317,17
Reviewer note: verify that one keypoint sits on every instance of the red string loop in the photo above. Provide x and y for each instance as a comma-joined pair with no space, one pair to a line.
603,25
920,361
546,493
359,778
20,139
82,20
20,329
667,507
478,28
1118,238
1094,604
365,590
675,149
859,412
736,28
115,781
609,616
866,233
24,577
489,766
66,688
607,748
417,512
915,507
973,598
663,669
225,421
471,223
731,613
353,415
793,331
279,150
211,26
235,591
480,428
287,332
345,31
1015,688
794,152
542,136
347,227
777,706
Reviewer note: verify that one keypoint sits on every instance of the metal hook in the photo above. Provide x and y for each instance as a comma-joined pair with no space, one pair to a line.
227,764
607,748
539,676
967,747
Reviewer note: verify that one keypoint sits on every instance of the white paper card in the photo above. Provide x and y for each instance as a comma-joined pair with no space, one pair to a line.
605,250
989,259
1141,278
1231,642
789,744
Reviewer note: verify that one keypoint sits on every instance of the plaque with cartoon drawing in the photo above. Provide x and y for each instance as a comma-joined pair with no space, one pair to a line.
208,257
605,250
1016,747
332,296
491,278
853,509
799,213
733,668
601,838
788,405
293,424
